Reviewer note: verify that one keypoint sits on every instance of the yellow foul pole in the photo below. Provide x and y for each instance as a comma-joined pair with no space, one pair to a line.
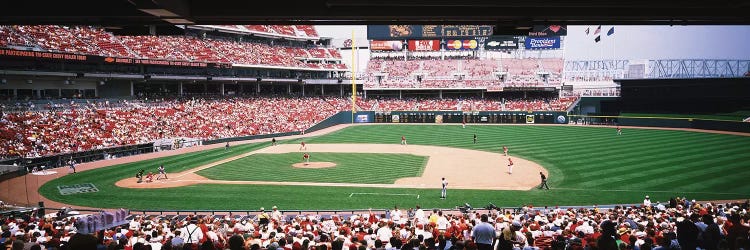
354,72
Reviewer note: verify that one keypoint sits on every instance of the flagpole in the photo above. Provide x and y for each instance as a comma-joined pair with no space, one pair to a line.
354,83
614,47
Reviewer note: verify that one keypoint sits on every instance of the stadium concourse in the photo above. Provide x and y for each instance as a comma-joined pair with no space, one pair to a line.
680,223
66,128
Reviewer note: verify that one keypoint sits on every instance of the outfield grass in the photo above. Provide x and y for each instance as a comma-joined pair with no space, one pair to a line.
734,116
588,165
350,168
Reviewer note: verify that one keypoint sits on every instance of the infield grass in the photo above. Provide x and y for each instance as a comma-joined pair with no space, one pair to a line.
587,165
350,168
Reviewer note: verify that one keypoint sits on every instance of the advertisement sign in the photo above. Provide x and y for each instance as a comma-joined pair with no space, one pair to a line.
55,56
548,30
77,189
438,118
462,44
154,62
561,119
386,32
395,118
501,43
529,118
386,45
42,54
362,119
542,42
424,45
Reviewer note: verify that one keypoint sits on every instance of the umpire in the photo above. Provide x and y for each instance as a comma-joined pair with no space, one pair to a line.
544,182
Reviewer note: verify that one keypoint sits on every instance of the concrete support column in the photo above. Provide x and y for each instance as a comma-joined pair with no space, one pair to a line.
221,88
132,89
180,89
440,92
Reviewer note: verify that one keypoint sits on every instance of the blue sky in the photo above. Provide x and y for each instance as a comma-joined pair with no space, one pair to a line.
629,42
659,42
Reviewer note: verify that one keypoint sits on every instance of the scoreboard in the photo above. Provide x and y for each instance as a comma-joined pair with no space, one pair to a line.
386,32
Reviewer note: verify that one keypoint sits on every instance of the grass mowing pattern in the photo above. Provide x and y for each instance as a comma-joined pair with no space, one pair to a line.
734,116
588,165
350,168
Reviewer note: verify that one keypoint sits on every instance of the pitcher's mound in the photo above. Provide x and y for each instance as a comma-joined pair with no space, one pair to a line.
322,164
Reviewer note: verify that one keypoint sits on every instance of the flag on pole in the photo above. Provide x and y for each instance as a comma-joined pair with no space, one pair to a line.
587,30
611,31
597,39
598,29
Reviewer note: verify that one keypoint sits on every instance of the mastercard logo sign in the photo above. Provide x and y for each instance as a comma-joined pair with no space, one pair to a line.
462,44
470,44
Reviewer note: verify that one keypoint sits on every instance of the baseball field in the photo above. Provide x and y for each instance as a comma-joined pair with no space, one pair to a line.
361,167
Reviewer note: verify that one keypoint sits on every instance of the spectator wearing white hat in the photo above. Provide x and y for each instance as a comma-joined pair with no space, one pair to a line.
647,201
276,214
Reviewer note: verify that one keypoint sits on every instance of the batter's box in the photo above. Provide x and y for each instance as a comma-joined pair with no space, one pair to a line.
77,189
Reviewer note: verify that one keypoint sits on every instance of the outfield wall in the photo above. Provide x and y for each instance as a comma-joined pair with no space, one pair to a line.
667,122
489,117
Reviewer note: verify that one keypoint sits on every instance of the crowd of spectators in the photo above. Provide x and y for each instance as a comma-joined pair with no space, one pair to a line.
50,129
675,224
96,41
463,72
81,127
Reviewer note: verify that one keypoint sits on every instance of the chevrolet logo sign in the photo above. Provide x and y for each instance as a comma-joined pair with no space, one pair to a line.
493,43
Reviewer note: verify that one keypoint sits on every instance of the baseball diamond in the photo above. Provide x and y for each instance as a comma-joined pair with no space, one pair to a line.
573,157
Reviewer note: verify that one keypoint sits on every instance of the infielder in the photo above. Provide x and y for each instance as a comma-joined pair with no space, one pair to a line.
510,166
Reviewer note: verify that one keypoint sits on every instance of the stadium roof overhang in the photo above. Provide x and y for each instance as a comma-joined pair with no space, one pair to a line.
120,13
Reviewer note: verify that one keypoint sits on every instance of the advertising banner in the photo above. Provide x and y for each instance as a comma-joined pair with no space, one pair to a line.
386,45
561,119
55,56
529,118
42,54
501,43
424,45
462,45
387,32
363,119
548,30
542,42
